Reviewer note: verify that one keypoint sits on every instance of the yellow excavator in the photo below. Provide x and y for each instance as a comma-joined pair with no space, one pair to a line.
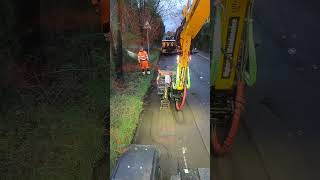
194,17
233,62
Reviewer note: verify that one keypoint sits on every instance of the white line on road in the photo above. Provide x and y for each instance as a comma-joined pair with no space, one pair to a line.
204,57
184,150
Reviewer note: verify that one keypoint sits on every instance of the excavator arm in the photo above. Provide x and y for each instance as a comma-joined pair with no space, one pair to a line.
195,17
233,63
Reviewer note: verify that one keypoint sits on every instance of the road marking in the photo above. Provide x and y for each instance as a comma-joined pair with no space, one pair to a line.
184,150
203,57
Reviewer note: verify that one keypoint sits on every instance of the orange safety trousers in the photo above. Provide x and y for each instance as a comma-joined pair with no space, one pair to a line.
144,65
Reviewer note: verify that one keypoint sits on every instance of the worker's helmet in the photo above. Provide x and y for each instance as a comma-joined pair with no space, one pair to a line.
141,48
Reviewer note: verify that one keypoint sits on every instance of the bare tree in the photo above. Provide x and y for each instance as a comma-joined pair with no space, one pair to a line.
116,21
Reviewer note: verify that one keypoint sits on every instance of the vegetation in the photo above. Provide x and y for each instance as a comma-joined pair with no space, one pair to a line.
53,87
55,131
52,90
125,107
128,89
201,40
127,21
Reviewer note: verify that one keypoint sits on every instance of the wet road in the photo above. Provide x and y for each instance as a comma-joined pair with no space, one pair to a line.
177,134
279,138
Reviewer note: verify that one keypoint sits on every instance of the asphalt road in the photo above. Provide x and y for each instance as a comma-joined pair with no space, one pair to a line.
279,137
177,134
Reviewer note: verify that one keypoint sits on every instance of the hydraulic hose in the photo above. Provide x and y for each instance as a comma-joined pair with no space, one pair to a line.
179,107
221,148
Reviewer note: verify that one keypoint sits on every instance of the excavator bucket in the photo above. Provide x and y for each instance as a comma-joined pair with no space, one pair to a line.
163,82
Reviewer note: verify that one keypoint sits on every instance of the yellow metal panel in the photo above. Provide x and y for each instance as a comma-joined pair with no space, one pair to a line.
183,64
232,22
196,17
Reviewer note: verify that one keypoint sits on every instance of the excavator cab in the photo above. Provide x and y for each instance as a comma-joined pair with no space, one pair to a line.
138,162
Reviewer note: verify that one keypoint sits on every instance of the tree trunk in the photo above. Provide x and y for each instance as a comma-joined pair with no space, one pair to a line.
119,61
141,13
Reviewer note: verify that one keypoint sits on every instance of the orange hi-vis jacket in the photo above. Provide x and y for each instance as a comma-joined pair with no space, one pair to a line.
142,56
143,60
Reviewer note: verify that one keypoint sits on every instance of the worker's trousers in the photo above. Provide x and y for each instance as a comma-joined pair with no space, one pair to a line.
144,65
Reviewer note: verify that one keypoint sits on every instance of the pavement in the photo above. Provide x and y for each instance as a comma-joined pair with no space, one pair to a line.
199,94
179,135
279,136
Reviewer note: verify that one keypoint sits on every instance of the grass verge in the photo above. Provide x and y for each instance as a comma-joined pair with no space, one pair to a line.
125,108
56,132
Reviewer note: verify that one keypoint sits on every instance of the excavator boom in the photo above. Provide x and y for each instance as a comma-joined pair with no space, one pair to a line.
195,17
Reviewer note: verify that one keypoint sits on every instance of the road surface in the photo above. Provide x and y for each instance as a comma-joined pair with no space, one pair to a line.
182,137
279,138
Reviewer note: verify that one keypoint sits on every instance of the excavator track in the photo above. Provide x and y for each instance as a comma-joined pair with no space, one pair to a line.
221,110
225,116
164,104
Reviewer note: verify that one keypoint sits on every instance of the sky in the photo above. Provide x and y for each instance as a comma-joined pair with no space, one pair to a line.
172,20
